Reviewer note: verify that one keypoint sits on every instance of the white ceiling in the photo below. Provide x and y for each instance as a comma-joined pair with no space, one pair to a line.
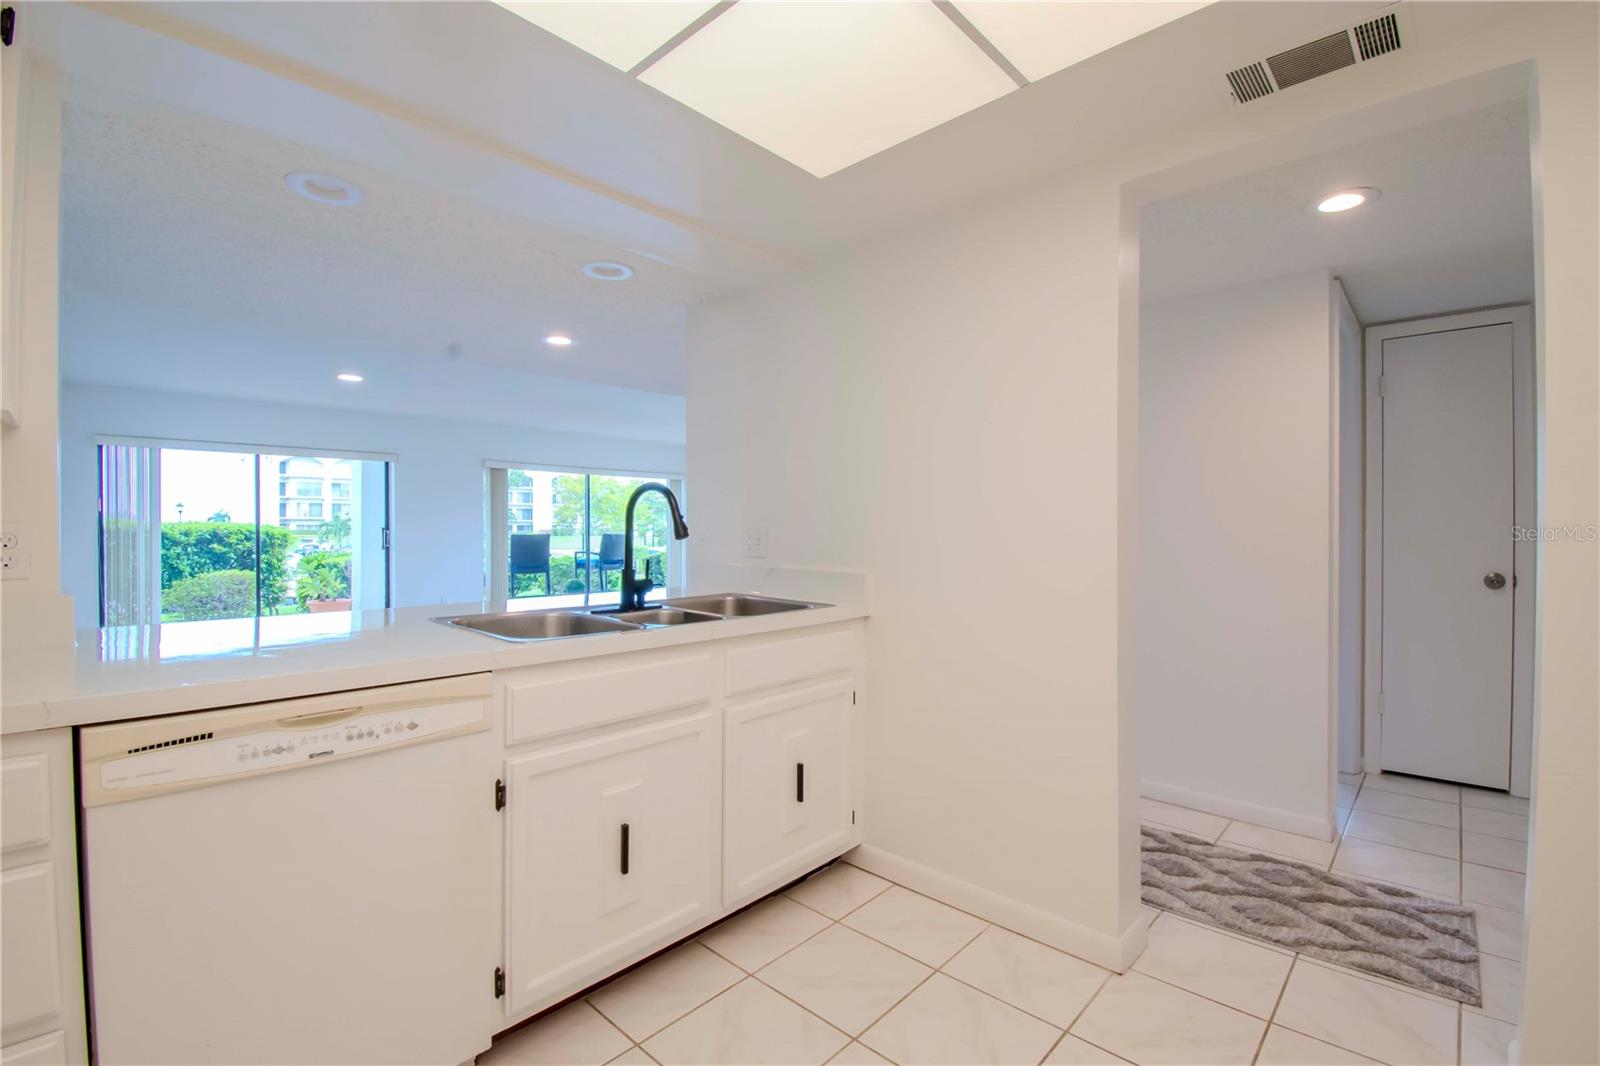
496,158
188,264
1452,230
825,84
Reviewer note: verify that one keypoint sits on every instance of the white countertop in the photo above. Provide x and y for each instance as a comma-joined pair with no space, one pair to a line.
139,671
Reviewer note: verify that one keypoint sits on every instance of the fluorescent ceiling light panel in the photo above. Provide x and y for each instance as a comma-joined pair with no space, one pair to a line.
826,84
621,32
1041,38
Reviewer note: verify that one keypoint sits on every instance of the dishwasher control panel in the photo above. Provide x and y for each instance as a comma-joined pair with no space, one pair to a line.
284,744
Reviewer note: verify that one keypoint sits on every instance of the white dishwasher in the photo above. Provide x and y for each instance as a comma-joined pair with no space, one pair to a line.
309,881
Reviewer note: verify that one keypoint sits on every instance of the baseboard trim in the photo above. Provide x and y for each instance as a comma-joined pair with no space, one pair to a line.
1271,817
1113,952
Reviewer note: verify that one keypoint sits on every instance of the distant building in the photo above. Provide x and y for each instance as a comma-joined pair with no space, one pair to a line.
311,491
530,500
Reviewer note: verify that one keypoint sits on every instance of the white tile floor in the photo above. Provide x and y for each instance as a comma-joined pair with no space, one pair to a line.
849,968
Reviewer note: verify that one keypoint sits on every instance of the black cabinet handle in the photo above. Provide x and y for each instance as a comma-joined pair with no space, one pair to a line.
624,848
799,782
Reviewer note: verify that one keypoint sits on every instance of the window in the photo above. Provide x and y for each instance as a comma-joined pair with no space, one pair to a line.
556,537
200,532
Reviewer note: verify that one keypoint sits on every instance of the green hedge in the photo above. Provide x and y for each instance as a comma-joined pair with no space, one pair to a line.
216,594
191,549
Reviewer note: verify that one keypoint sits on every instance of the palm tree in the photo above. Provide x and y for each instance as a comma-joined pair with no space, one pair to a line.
335,532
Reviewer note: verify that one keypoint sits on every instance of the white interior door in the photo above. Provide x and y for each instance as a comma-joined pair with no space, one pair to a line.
1448,510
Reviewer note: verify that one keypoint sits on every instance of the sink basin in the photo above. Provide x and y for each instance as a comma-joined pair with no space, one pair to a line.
661,616
739,605
539,625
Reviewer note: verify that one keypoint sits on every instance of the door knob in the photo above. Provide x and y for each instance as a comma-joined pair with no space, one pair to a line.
1494,581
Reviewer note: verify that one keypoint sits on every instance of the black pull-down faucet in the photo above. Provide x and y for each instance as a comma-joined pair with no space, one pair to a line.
634,588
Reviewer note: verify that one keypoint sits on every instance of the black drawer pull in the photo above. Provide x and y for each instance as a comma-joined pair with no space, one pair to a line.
624,848
799,782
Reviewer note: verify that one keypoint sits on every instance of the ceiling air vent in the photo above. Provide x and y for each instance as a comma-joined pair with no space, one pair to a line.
1348,46
1322,56
1249,83
1377,36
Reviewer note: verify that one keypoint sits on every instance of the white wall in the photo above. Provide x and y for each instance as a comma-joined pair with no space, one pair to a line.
33,611
1350,510
938,411
1562,969
438,538
923,401
1234,599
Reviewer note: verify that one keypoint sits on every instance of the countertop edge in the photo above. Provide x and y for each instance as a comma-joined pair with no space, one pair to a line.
155,701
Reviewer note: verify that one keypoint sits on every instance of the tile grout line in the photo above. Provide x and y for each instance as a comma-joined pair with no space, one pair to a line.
1192,992
753,975
928,977
696,940
611,1023
1085,1010
868,1028
718,995
1276,1003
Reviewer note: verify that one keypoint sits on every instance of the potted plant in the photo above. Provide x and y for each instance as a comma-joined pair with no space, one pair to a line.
322,582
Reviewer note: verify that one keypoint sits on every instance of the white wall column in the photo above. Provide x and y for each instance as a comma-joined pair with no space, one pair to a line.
33,610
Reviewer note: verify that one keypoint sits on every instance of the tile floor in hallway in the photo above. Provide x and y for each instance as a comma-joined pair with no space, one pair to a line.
849,968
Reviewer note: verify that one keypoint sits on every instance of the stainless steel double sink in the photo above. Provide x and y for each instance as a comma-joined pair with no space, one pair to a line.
525,626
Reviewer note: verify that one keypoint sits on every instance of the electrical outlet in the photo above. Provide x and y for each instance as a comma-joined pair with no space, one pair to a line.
755,542
8,542
13,563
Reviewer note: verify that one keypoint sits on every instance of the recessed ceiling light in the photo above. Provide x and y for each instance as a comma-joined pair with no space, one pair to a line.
1345,199
605,270
558,340
351,377
323,188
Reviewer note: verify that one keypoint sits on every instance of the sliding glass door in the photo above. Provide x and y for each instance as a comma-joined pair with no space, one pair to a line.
556,537
200,532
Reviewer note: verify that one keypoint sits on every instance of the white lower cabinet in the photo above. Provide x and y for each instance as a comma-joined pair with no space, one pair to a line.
649,795
47,1050
613,844
41,974
788,786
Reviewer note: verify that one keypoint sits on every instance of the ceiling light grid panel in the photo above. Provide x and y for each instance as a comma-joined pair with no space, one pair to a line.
828,83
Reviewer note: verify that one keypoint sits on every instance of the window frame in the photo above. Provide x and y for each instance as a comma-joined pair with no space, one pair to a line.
497,508
390,460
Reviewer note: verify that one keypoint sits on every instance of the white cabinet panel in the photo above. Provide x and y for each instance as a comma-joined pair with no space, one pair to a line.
47,1050
41,955
30,980
788,786
546,701
612,852
785,659
25,801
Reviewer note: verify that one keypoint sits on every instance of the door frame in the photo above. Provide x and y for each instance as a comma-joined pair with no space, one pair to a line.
1524,514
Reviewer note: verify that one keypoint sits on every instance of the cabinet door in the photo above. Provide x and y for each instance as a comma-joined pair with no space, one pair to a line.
788,786
612,852
32,979
47,1050
41,975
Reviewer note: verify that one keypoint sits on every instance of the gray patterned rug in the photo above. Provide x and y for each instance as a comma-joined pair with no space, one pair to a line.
1418,941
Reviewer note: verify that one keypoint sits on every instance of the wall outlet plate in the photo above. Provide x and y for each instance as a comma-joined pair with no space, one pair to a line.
755,542
13,563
